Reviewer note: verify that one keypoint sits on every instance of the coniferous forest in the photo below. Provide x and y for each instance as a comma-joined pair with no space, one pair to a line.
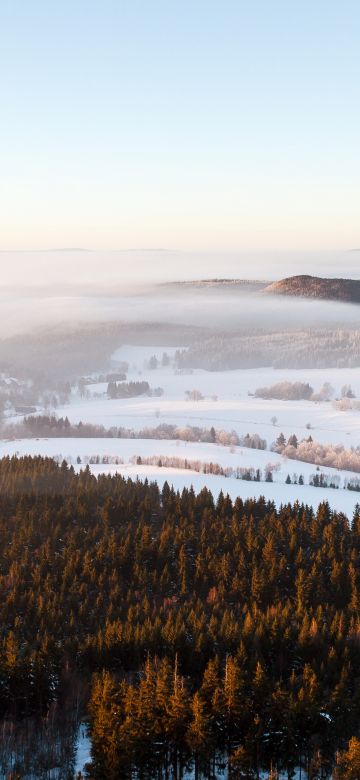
201,632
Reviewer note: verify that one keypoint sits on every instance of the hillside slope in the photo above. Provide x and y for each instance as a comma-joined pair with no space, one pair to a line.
306,286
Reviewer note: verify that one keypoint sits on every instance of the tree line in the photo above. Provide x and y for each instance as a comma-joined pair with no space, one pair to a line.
52,426
256,348
310,451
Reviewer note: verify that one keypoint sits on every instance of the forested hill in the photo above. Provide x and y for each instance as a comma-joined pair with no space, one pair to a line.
305,286
302,285
246,618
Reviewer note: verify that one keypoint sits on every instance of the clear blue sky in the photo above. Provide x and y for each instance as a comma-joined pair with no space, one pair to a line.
195,125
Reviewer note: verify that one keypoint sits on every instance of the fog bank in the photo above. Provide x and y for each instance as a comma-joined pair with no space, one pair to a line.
217,309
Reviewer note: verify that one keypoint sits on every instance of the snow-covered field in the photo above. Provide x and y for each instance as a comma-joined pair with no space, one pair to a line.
227,404
126,450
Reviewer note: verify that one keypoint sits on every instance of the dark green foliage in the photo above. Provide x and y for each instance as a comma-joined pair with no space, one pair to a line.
251,617
127,389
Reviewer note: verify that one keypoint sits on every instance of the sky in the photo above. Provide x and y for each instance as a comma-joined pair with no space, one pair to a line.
196,126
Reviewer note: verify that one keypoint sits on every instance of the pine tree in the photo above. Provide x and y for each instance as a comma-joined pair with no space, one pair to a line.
105,713
178,718
234,700
200,736
348,762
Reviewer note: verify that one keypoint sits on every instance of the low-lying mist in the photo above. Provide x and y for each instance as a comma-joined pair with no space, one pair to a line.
66,323
24,311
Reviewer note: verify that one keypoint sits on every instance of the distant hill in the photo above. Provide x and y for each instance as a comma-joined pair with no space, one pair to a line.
346,290
302,286
243,285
